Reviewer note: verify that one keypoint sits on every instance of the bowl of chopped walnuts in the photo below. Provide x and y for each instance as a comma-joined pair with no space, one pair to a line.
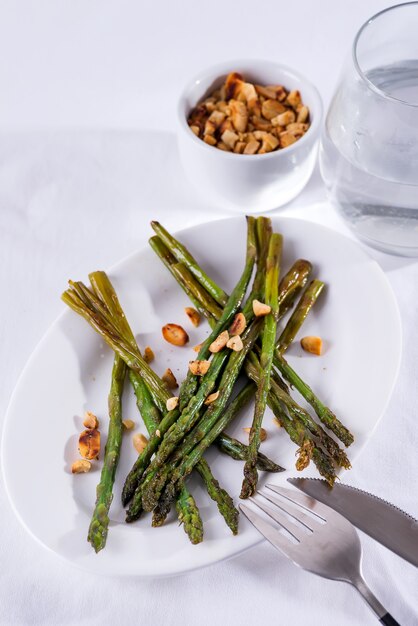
248,133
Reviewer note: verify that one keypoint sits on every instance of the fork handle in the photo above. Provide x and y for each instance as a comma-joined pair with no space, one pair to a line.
389,620
384,617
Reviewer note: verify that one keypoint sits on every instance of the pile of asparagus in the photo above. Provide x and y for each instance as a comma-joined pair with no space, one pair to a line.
178,438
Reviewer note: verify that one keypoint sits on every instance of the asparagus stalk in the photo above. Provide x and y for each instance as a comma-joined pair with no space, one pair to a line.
268,339
301,428
83,298
199,440
325,414
152,417
296,412
307,447
190,402
183,256
104,291
306,302
222,498
113,338
210,425
235,361
238,451
292,284
200,298
187,509
226,444
233,303
99,524
188,515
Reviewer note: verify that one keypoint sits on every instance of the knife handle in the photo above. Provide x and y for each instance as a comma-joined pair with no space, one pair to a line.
388,620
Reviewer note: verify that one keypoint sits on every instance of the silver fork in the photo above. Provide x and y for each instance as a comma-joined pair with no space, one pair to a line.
324,543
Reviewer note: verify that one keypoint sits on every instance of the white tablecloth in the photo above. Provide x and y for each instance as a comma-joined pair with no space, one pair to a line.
87,157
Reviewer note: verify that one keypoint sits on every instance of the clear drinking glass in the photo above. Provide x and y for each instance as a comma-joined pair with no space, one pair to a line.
369,147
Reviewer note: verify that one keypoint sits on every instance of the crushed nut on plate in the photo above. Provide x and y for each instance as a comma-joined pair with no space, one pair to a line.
148,354
80,467
238,325
193,315
169,379
90,420
171,404
199,368
235,343
229,118
260,309
89,443
263,433
140,441
220,342
128,424
312,345
212,397
175,334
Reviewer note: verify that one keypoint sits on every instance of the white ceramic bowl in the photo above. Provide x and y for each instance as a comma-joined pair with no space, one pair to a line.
248,183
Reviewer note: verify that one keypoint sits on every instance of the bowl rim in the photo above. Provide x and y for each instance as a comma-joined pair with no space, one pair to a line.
216,71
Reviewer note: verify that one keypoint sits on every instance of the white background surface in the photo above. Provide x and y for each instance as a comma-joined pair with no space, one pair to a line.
87,157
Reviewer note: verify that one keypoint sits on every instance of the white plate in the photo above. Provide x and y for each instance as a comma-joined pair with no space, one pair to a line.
69,372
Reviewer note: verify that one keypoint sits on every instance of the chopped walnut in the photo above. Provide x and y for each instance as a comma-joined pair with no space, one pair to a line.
212,397
235,343
303,114
227,118
90,420
266,92
288,117
210,140
230,138
169,379
170,405
89,443
263,433
272,108
251,147
293,99
140,442
238,325
80,467
239,115
148,354
260,309
199,368
175,334
220,342
287,138
193,315
312,345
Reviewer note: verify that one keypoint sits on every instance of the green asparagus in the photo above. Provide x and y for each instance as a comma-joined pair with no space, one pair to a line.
99,524
268,339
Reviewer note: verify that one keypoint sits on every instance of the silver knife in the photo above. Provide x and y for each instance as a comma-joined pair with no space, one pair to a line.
383,521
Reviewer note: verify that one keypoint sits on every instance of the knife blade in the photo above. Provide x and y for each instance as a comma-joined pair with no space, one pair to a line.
383,521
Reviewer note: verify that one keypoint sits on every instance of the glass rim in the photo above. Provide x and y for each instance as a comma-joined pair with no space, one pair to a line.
360,72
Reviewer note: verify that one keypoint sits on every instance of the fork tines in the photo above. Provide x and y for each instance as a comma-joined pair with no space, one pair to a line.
292,504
